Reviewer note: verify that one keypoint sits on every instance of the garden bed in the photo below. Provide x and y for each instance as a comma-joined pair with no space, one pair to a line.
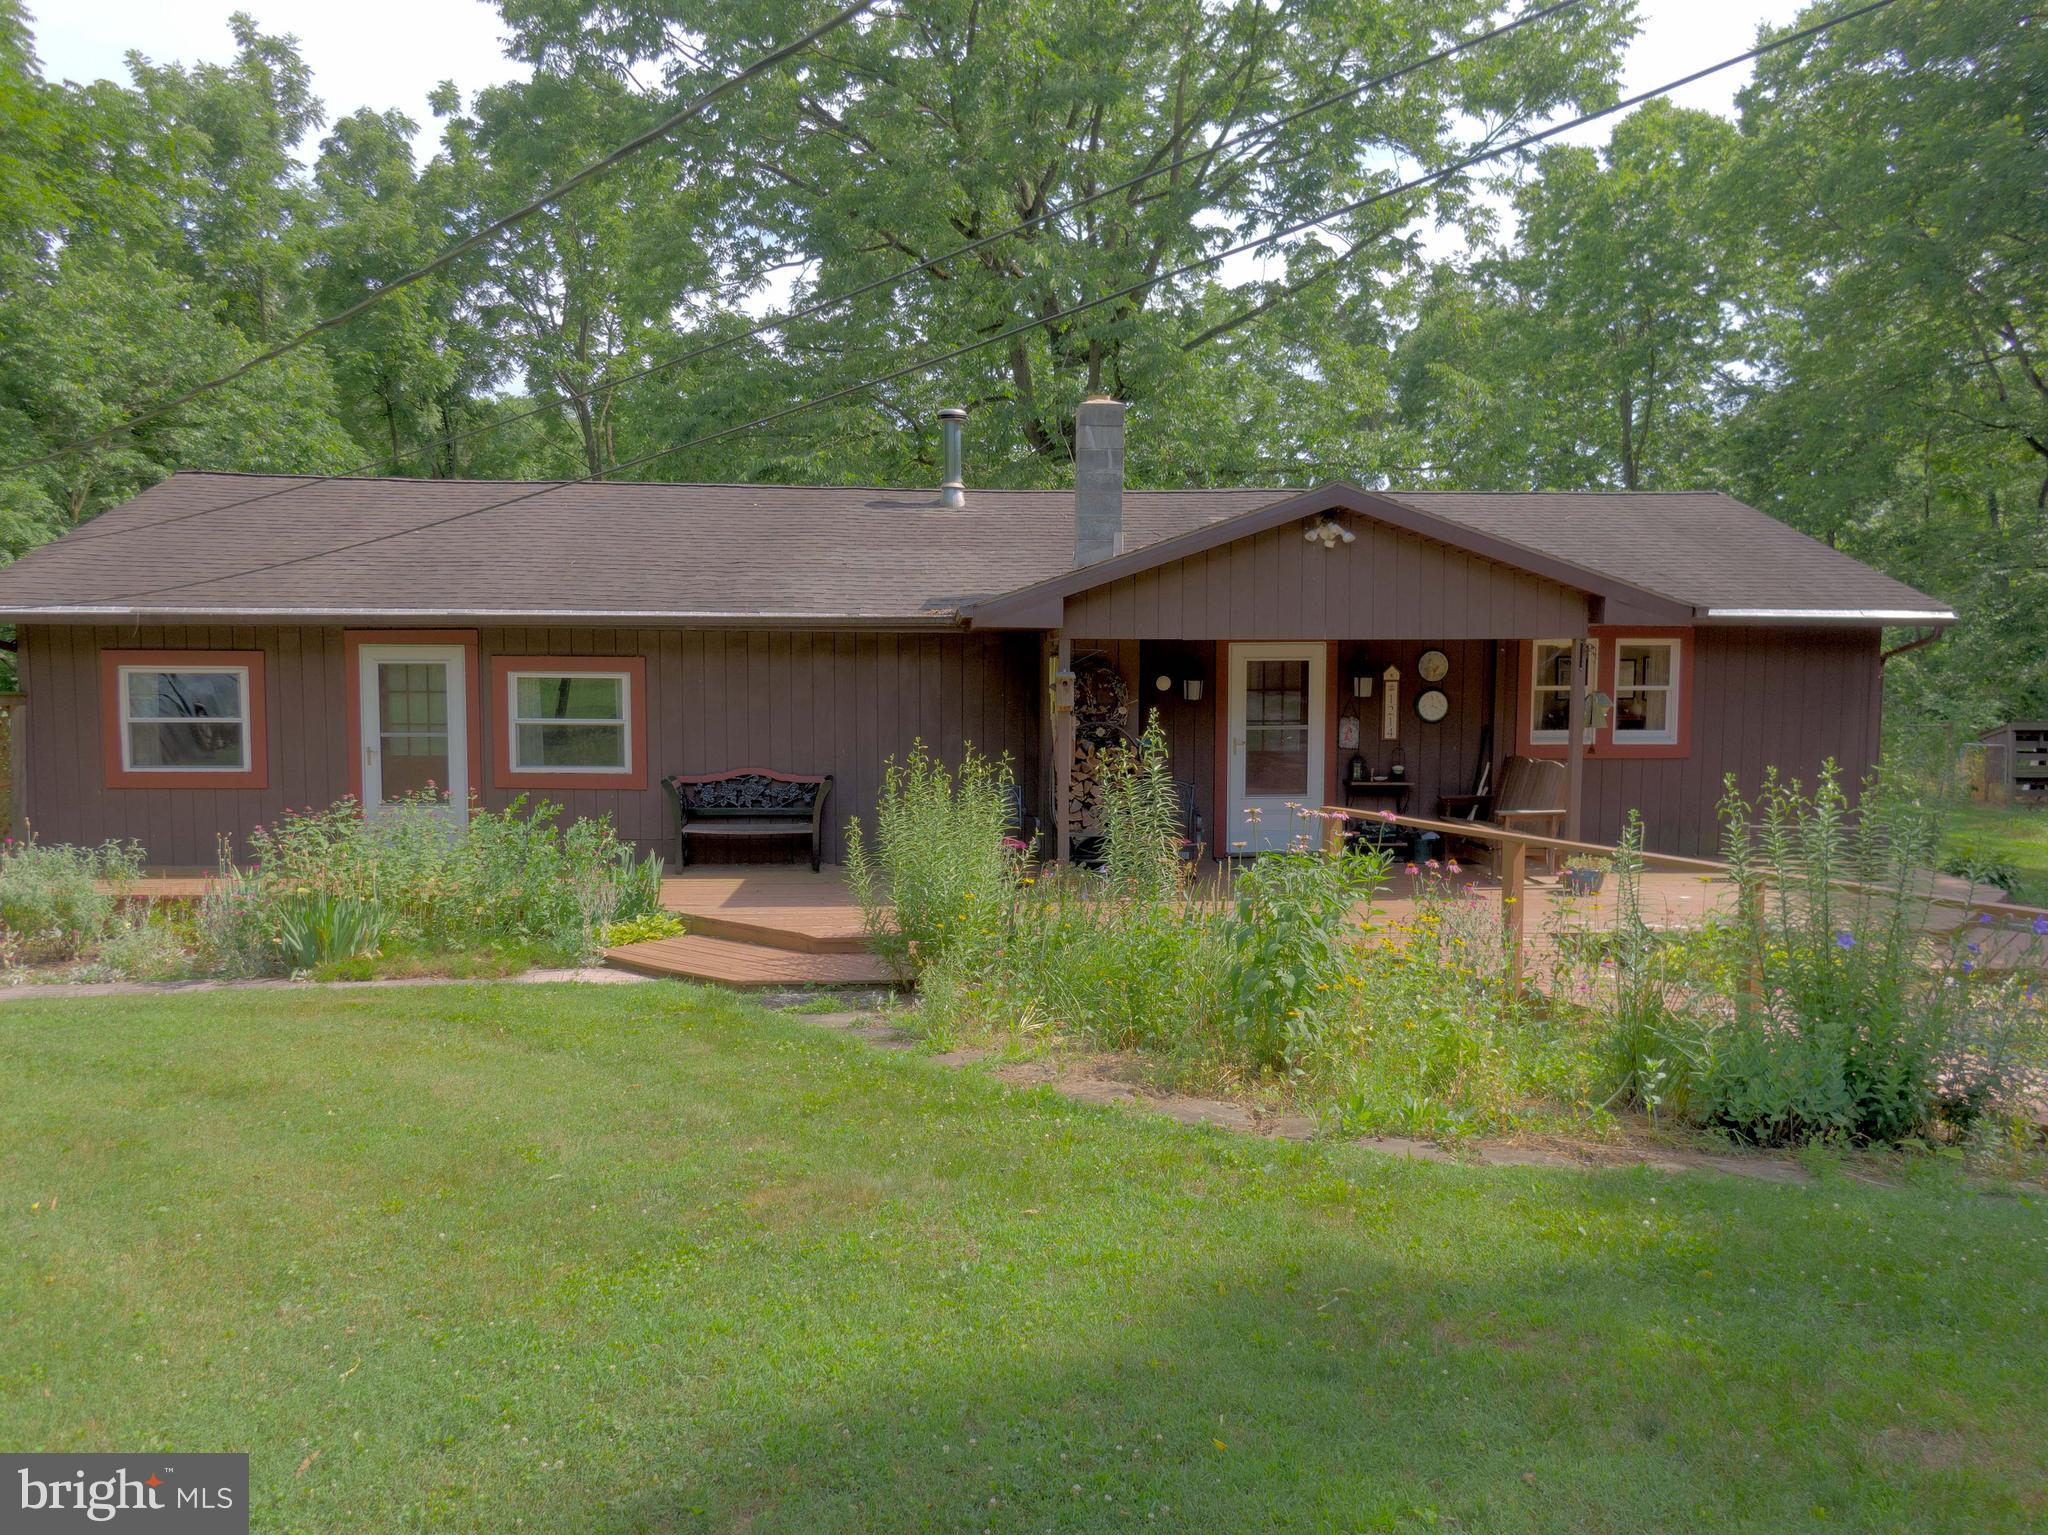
1832,1008
333,895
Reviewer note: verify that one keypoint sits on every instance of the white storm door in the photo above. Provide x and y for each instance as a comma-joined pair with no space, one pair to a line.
415,725
1276,711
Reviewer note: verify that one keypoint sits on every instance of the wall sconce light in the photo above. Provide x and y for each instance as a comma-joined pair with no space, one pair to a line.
1191,690
1361,685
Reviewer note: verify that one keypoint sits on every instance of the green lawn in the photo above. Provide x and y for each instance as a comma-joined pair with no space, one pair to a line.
2017,836
638,1258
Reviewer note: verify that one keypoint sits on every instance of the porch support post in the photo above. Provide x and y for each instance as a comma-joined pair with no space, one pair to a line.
1062,747
1575,743
16,707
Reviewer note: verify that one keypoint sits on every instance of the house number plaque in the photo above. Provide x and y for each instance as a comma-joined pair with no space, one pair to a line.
1390,705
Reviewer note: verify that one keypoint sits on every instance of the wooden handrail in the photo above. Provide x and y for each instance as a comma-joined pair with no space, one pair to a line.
1482,831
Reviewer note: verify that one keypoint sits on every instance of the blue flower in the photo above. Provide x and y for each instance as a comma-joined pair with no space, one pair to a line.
2041,927
1976,948
1845,941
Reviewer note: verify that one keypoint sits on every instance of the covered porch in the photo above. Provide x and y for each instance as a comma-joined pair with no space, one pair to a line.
1256,729
1341,648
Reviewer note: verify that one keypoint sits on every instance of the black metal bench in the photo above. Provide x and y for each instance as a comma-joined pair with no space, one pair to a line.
749,802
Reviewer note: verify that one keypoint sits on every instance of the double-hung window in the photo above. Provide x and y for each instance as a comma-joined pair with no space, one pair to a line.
1550,689
190,718
571,720
1646,684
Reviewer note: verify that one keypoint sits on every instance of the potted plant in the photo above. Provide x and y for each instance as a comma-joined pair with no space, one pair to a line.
1584,873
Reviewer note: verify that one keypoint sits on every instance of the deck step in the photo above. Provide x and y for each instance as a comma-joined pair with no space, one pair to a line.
696,957
803,933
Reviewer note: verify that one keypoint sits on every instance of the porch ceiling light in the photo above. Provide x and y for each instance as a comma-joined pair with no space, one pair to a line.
1328,532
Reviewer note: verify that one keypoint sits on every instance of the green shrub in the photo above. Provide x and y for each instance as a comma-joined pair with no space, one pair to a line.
1292,915
59,901
1141,821
1833,1010
146,947
940,869
316,928
235,927
655,925
512,876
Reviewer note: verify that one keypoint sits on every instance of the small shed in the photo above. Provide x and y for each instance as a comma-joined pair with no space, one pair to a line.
2016,763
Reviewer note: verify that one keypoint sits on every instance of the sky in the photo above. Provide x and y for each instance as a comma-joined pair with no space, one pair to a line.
350,49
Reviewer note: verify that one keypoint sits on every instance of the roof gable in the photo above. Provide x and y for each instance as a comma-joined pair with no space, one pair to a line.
1351,584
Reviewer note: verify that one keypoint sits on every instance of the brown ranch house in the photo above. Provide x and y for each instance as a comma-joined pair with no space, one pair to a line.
224,646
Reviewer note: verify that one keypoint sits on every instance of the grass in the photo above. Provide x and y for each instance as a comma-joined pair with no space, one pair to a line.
2017,835
648,1259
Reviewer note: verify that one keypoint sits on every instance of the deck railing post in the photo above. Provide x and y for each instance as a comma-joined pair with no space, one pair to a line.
1513,908
1063,750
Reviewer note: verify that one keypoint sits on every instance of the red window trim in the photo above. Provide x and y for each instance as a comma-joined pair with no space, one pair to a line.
1604,745
505,776
352,642
256,725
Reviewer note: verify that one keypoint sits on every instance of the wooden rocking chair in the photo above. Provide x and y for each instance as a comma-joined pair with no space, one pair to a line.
1529,798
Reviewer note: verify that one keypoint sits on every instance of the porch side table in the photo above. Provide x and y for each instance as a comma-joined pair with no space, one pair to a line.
1374,792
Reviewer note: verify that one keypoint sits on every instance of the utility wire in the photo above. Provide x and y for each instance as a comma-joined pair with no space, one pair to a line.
490,231
925,364
888,281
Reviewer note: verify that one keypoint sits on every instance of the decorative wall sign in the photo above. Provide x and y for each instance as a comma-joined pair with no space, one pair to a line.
1390,705
1348,732
1431,705
1434,666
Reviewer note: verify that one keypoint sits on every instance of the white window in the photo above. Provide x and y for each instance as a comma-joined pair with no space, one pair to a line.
570,722
194,719
1646,698
1550,690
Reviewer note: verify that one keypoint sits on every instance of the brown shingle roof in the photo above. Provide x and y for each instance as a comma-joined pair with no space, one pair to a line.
250,545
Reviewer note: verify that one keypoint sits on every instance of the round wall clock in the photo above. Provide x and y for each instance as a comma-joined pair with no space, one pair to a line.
1431,705
1433,666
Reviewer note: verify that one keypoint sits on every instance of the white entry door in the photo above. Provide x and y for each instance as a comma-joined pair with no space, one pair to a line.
415,725
1276,744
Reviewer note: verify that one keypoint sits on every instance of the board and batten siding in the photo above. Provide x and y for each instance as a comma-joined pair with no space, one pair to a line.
1388,584
1763,697
1789,698
797,701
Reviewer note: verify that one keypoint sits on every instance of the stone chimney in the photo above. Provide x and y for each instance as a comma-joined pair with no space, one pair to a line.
952,489
1098,480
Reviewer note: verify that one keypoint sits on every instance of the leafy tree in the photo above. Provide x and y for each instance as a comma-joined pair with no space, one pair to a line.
111,334
1595,349
931,124
1900,405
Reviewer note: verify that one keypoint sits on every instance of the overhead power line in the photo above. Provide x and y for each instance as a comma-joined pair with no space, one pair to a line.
696,108
925,364
889,281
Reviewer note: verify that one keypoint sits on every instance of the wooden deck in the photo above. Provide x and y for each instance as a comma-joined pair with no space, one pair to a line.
773,926
760,926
